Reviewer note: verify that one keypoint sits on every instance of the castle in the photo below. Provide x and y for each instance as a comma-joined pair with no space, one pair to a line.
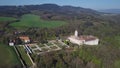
83,39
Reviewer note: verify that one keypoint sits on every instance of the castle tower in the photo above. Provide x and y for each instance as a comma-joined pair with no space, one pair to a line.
76,33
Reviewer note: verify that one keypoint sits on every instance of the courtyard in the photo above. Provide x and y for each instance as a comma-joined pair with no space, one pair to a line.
47,47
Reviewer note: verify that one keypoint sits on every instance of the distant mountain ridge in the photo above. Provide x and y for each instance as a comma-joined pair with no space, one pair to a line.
69,10
115,11
65,8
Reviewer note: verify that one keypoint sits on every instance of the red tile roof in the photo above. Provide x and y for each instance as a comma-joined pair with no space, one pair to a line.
24,38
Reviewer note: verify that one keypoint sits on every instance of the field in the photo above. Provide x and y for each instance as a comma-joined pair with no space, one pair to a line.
7,56
24,55
30,20
3,19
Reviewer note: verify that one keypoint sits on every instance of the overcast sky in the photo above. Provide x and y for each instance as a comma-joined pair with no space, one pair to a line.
94,4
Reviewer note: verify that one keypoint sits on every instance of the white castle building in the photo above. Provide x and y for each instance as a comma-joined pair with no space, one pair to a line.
83,39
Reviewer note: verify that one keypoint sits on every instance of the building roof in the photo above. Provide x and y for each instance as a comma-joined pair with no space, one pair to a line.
24,38
85,37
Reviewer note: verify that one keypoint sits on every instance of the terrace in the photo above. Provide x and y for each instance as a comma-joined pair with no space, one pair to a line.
24,55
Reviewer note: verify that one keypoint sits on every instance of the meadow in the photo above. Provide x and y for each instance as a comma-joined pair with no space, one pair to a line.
4,19
30,20
8,56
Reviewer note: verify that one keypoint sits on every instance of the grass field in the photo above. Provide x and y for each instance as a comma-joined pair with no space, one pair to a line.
117,64
7,56
24,55
3,19
30,20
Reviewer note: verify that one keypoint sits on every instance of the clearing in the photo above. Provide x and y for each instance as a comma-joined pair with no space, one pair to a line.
30,20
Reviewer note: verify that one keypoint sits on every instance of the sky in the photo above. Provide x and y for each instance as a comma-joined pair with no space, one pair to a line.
93,4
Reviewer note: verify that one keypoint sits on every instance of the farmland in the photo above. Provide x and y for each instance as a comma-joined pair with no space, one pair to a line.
7,56
30,20
4,19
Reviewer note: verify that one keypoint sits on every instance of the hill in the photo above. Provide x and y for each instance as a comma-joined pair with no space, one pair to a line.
86,21
61,9
54,9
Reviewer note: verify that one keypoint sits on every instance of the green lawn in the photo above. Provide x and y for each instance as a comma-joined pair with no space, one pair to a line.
8,56
30,20
3,19
24,55
117,64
